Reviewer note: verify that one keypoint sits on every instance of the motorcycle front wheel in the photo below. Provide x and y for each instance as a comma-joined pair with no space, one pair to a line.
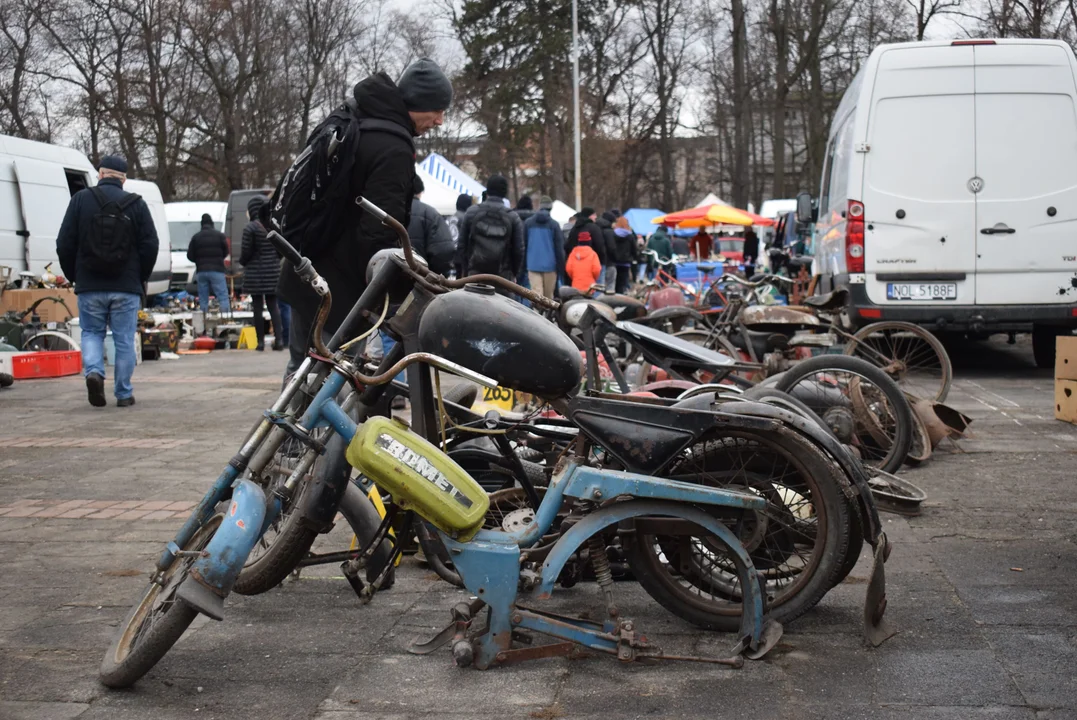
157,620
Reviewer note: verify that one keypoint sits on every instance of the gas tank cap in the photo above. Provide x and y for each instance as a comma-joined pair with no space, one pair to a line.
480,288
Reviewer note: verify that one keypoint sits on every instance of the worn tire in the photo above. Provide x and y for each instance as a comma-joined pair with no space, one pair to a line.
116,672
903,435
662,583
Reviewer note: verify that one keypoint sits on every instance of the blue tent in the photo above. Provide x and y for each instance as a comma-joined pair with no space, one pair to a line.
640,220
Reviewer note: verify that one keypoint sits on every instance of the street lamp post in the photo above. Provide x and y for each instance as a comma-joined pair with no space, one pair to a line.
576,103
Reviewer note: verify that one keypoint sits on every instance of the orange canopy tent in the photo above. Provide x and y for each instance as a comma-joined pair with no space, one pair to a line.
711,215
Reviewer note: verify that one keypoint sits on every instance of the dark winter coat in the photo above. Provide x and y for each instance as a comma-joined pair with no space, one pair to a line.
680,246
75,232
260,261
598,243
512,259
609,241
625,250
208,249
430,237
382,174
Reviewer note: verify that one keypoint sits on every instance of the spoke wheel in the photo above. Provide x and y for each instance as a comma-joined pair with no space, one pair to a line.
881,428
798,545
908,354
157,620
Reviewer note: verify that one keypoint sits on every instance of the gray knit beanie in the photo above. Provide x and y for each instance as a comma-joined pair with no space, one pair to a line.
424,87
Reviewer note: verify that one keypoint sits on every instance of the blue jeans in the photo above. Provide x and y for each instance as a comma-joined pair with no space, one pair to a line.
98,313
209,281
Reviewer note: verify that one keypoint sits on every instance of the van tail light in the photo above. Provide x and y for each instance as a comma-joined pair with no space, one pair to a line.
959,43
854,237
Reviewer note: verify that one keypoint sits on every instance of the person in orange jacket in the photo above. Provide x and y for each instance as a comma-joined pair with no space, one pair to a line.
583,266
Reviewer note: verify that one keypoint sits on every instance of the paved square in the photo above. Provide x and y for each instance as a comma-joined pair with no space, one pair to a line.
983,585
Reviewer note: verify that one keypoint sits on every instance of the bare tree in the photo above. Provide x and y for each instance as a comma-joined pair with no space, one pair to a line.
924,11
23,59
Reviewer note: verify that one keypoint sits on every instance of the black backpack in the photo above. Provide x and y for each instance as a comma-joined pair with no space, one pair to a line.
112,234
313,199
491,236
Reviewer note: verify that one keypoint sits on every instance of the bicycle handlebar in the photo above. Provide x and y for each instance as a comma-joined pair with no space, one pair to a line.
766,279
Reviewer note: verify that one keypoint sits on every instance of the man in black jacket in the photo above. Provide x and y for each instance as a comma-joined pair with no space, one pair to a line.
491,236
429,233
609,240
383,175
109,295
585,221
208,249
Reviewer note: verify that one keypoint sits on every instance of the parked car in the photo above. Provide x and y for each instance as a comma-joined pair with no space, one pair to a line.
184,220
37,181
949,191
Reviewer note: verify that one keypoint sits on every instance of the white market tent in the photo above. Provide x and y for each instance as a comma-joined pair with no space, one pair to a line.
561,212
711,199
451,176
436,193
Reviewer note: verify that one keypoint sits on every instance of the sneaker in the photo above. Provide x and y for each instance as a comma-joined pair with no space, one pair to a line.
126,402
95,388
260,347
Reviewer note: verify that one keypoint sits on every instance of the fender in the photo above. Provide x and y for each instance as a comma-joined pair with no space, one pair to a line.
852,467
214,573
752,617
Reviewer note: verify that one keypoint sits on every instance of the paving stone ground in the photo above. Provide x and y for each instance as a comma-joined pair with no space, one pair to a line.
983,585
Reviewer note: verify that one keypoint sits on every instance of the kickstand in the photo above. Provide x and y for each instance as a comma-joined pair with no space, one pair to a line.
456,630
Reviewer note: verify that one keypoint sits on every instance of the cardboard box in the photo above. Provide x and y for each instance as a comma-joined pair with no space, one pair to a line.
1066,400
48,311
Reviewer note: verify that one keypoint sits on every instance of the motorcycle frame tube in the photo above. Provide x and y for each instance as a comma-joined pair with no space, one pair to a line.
222,487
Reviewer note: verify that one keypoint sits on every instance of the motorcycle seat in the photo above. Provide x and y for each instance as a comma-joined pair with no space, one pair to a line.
831,301
675,345
761,342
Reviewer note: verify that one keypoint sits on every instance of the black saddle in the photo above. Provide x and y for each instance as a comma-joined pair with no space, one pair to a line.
706,269
835,300
761,342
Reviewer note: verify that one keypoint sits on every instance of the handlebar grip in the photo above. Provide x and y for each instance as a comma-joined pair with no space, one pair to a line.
371,208
285,248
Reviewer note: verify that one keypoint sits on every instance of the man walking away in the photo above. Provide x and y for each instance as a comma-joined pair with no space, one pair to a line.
463,202
659,243
680,246
525,208
261,271
585,222
545,250
583,267
609,241
624,253
382,172
207,251
107,246
751,252
429,233
491,236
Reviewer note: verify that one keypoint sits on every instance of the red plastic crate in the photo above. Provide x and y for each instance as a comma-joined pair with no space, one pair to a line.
46,364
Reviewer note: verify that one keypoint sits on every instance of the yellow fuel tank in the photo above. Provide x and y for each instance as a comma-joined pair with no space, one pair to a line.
419,476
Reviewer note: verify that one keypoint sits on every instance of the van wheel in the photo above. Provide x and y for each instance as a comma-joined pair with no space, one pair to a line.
1043,344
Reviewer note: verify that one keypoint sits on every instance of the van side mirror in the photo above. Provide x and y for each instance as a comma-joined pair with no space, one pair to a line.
804,208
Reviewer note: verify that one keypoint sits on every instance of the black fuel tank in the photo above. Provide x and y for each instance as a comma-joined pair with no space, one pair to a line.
500,338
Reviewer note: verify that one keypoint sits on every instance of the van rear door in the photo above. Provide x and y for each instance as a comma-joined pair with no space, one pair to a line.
1026,155
44,195
919,241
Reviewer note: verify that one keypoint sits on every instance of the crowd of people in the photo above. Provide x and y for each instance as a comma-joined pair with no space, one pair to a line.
528,246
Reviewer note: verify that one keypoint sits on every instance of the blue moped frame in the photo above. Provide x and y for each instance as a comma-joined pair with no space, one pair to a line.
490,563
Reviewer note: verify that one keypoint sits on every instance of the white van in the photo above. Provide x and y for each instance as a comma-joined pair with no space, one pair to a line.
37,181
949,192
184,220
158,282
